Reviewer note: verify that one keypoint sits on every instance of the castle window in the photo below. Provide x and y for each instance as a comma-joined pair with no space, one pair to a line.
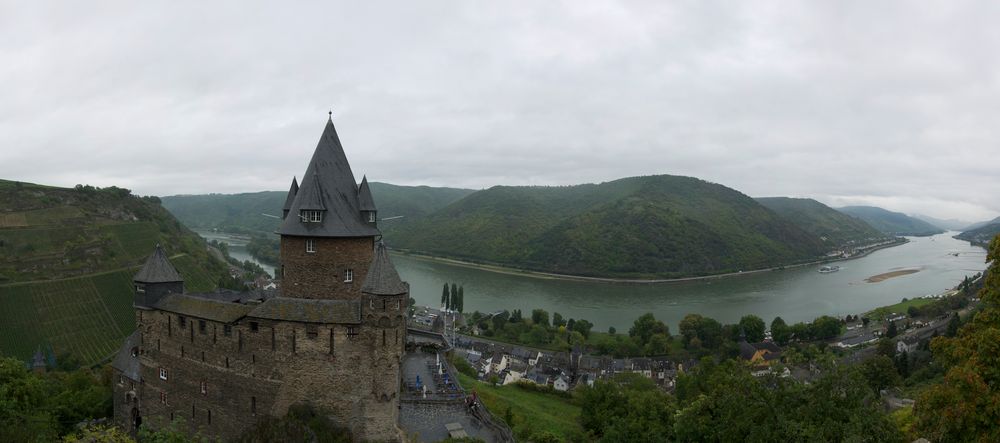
331,341
348,276
311,216
140,288
163,373
182,320
227,330
371,217
352,332
201,327
209,416
163,397
310,245
397,304
311,332
254,326
253,405
204,387
121,380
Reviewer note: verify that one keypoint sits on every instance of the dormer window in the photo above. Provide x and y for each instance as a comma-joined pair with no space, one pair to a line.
308,216
140,288
371,217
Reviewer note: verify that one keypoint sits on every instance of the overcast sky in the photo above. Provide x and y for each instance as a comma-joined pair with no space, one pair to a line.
894,105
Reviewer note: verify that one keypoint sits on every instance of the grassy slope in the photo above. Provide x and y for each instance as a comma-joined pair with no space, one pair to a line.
821,220
893,223
67,258
663,226
981,235
544,411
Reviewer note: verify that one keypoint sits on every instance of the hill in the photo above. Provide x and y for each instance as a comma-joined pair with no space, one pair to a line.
948,225
982,234
892,223
640,227
67,257
245,213
833,227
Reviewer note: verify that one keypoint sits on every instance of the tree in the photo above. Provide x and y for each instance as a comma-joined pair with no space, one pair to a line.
658,344
570,323
707,330
557,320
500,320
461,298
891,331
454,297
753,327
880,372
953,325
583,327
515,316
645,326
540,317
612,330
445,296
780,332
963,406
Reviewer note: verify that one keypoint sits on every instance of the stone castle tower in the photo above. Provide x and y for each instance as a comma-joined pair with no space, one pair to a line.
332,338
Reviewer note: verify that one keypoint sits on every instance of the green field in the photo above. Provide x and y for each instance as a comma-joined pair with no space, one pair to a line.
898,308
536,410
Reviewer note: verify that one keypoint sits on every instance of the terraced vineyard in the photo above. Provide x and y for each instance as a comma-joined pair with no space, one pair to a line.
86,317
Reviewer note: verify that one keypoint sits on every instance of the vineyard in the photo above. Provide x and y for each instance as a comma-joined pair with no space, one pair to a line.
86,317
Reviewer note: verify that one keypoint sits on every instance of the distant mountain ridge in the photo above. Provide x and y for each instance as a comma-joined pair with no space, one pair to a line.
833,227
891,223
948,225
640,227
255,212
982,234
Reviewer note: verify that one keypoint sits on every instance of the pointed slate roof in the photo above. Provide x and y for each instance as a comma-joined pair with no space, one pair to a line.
382,278
157,269
328,180
365,199
292,191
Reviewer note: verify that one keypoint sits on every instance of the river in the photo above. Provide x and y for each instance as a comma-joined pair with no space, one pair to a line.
237,247
800,294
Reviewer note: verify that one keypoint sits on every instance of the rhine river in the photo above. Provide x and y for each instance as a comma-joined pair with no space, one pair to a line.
799,294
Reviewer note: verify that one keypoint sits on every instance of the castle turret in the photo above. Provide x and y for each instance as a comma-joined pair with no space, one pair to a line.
367,203
294,189
326,244
156,278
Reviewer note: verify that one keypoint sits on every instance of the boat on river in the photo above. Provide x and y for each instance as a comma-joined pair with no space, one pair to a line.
828,269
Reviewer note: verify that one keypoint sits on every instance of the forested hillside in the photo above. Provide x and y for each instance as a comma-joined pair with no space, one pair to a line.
833,227
982,234
255,212
67,257
656,226
891,223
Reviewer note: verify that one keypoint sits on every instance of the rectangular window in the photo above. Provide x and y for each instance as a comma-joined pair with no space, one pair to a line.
371,217
140,288
331,341
182,320
348,276
352,332
204,387
310,245
121,380
163,397
311,332
227,330
163,373
254,326
202,327
311,216
397,304
253,405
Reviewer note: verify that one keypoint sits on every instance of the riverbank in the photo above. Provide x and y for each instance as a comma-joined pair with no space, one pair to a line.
555,276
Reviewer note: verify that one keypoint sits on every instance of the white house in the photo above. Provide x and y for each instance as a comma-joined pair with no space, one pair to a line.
561,384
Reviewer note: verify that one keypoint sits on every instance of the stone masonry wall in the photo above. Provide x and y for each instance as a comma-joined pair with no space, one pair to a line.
320,274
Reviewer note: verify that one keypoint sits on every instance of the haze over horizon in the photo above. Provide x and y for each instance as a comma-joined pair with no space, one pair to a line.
891,105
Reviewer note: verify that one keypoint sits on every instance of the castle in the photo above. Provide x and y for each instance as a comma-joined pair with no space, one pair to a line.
332,338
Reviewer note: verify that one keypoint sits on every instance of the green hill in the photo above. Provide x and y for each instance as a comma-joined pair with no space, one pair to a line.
892,223
982,234
244,213
67,257
640,227
833,227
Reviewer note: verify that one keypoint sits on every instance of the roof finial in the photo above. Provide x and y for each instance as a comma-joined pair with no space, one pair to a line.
331,113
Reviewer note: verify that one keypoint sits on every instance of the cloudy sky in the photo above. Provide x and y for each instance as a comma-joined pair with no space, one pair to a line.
895,105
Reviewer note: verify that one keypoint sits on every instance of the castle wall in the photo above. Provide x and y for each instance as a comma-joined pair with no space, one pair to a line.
320,274
264,369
